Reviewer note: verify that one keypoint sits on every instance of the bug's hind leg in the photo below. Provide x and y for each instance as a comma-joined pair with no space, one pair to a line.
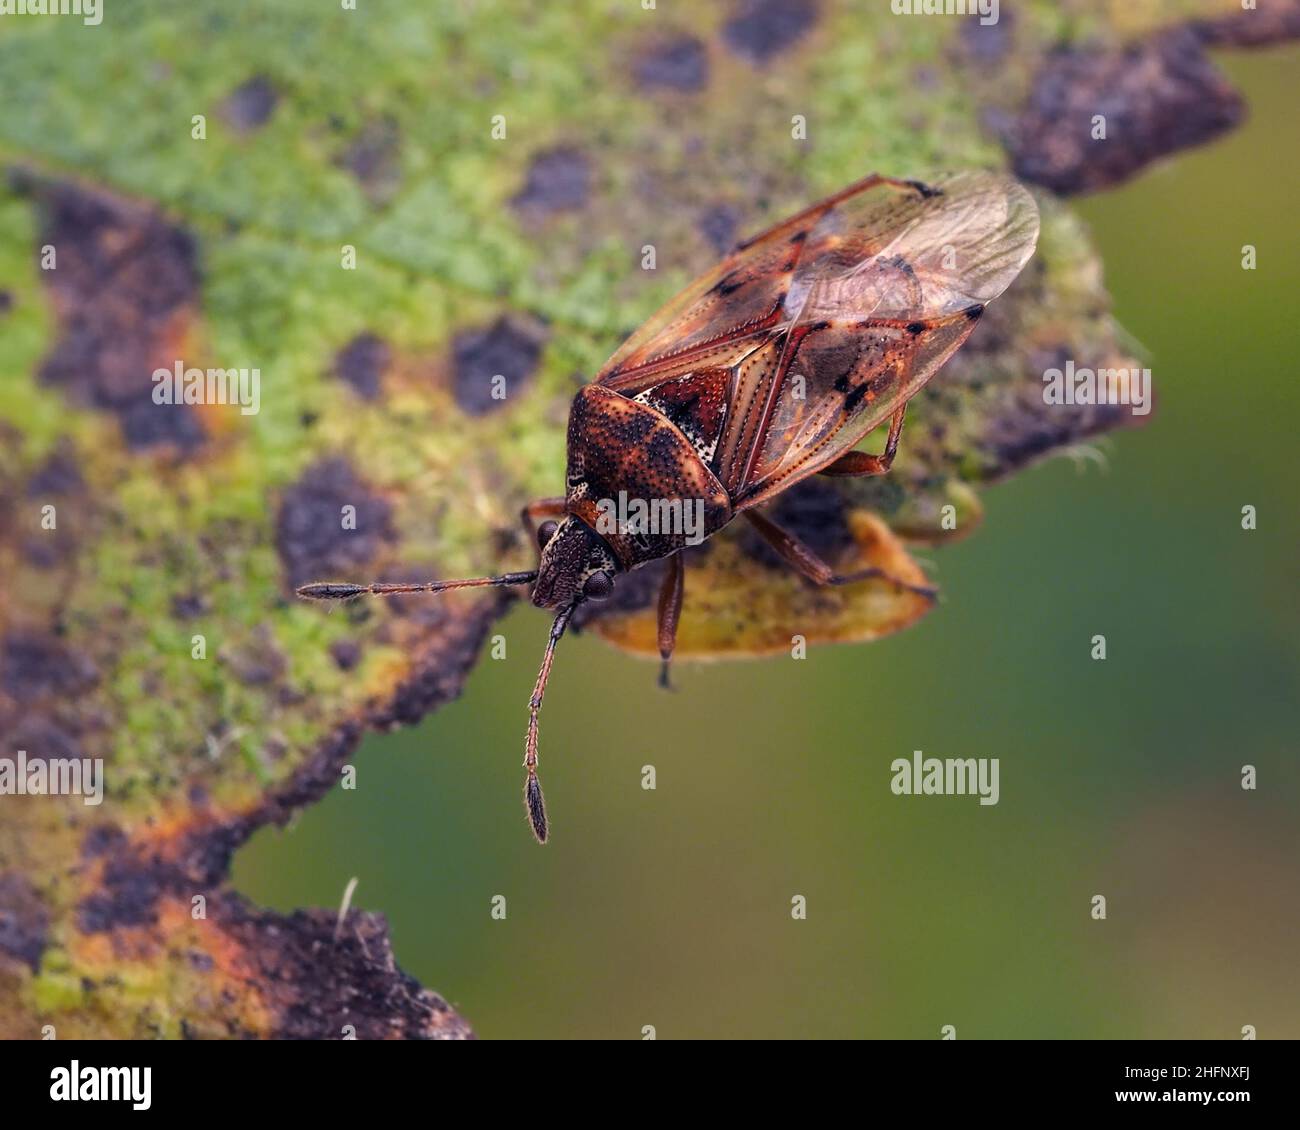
670,611
857,464
806,562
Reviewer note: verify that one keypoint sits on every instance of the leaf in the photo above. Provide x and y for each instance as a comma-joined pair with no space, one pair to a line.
737,605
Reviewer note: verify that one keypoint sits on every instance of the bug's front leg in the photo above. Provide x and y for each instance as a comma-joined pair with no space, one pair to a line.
538,509
804,560
856,464
670,611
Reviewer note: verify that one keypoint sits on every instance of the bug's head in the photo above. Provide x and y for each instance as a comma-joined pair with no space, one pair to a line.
576,565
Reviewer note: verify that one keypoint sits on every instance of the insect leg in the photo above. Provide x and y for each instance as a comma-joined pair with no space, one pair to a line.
533,800
853,464
806,562
670,611
538,509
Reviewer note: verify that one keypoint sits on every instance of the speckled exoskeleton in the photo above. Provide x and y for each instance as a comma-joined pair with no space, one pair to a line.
770,368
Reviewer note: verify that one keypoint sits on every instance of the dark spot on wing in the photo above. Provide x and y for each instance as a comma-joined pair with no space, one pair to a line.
511,348
758,30
729,284
915,328
854,398
973,312
902,264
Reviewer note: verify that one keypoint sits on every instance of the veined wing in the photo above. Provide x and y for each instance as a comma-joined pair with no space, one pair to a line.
717,317
806,337
888,288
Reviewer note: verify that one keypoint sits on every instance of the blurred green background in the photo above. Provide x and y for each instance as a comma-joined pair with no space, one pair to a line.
672,908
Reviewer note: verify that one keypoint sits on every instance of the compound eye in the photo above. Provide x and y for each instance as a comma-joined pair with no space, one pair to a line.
598,586
545,532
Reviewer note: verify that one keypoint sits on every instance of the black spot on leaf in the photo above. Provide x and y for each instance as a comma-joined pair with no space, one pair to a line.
509,348
310,534
24,920
188,606
59,475
985,43
1251,27
373,157
133,881
1157,97
146,424
250,105
34,664
40,735
761,29
362,363
256,660
718,224
312,975
346,654
558,180
125,285
680,63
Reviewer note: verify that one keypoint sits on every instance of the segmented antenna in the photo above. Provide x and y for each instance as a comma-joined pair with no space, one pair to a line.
335,590
533,801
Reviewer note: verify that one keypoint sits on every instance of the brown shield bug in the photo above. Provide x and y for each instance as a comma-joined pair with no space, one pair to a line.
768,369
